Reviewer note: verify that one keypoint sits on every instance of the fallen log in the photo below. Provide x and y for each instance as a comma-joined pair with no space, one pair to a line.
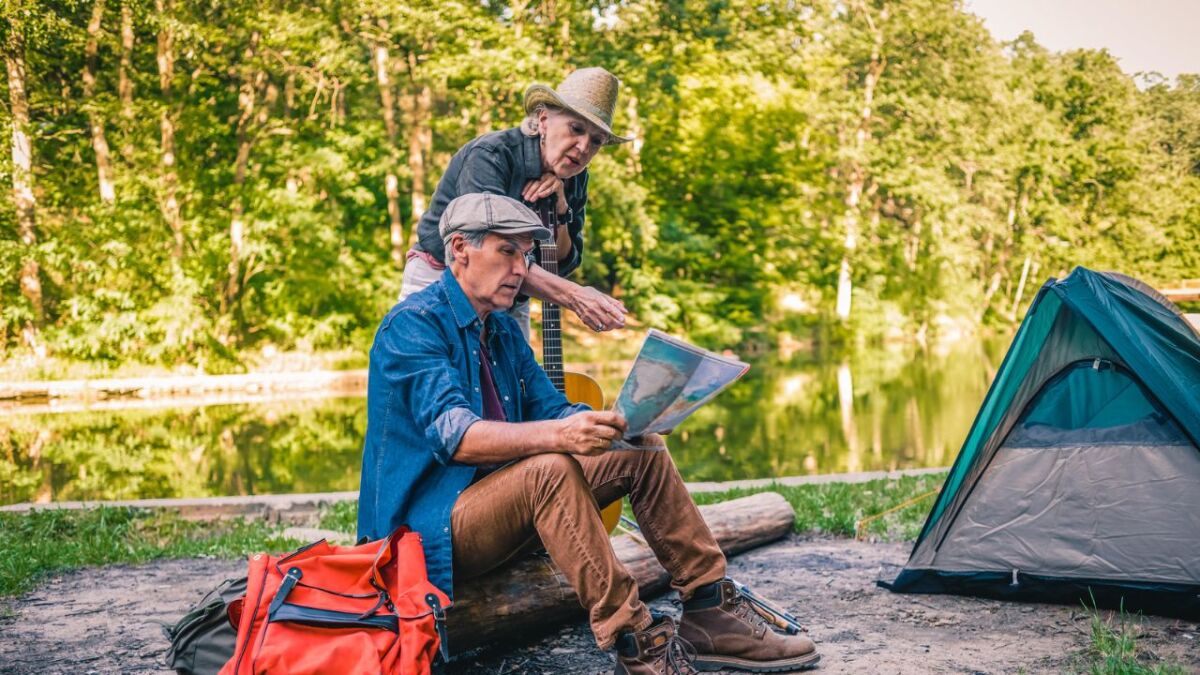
531,597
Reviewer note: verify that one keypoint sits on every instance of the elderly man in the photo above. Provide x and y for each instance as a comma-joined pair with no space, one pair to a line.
470,444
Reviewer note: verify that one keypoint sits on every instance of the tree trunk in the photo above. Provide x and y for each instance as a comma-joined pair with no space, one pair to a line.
420,139
531,596
125,82
391,182
252,80
108,193
169,201
24,201
857,170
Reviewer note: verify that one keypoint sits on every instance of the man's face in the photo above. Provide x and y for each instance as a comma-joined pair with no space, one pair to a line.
569,143
492,274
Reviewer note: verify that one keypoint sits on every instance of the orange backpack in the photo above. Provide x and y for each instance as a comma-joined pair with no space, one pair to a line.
340,609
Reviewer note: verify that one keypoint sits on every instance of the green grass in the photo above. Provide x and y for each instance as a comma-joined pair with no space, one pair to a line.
46,541
833,508
836,508
1114,649
340,517
56,540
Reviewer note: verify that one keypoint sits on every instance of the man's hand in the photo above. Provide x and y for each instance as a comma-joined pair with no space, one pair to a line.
590,433
547,185
598,311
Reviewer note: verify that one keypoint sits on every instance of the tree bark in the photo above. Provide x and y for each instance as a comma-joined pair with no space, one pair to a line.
24,201
169,201
125,82
857,170
420,138
531,596
91,50
391,182
252,80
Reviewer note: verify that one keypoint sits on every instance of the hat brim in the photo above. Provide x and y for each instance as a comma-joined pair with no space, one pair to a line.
509,229
540,93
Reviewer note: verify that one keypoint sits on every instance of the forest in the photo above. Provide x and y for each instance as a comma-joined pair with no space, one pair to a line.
190,183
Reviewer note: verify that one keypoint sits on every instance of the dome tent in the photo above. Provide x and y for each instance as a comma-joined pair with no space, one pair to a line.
1080,477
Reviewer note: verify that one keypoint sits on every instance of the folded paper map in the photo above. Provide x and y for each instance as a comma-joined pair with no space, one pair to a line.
669,380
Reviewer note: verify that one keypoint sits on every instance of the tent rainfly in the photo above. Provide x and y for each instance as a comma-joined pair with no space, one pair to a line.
1080,478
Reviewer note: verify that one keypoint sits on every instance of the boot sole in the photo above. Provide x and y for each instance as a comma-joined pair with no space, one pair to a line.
710,662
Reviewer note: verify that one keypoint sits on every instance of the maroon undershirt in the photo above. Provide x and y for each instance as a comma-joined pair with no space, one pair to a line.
492,409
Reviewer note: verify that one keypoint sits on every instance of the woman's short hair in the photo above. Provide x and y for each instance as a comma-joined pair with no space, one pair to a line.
529,126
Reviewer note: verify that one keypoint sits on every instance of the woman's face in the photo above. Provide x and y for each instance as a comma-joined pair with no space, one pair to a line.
569,142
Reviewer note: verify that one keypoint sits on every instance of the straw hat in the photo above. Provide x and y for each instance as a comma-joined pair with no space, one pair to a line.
590,93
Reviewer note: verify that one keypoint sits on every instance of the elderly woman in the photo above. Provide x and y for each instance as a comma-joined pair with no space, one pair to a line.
546,157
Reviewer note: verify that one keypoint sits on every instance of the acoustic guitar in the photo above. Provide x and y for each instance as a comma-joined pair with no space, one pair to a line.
577,387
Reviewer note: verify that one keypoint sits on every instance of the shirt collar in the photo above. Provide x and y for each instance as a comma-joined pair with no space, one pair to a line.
532,149
460,306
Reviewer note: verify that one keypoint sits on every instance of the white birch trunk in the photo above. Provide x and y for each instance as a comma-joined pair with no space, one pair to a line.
108,193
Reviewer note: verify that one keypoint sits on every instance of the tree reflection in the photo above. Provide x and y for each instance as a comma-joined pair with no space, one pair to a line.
804,415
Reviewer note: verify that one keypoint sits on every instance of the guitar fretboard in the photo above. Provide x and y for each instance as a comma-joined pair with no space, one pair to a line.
552,357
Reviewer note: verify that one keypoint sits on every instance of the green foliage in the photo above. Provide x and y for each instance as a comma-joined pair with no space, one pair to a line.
776,142
47,541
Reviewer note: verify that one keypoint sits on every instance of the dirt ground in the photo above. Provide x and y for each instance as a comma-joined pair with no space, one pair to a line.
104,621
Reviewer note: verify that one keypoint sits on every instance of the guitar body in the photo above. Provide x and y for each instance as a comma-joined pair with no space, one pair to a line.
580,388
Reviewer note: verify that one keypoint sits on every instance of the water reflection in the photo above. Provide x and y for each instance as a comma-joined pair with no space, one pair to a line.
806,415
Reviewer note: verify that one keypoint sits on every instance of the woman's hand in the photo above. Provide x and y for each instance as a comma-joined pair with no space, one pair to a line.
598,311
547,185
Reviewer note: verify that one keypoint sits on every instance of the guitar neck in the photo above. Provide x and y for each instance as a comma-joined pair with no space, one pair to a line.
552,357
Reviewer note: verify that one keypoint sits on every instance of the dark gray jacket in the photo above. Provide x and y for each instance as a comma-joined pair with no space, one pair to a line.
501,163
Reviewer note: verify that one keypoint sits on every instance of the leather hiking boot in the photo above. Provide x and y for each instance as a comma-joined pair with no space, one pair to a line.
728,633
658,650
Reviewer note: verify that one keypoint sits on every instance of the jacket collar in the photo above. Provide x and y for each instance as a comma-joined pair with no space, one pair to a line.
532,150
460,306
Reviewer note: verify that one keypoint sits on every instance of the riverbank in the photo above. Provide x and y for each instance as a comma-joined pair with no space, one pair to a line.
111,623
38,540
126,570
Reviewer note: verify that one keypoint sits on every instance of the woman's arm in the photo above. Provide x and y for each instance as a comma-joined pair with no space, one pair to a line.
598,311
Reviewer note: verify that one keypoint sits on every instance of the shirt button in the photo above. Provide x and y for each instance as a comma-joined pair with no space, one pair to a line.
505,398
445,529
476,389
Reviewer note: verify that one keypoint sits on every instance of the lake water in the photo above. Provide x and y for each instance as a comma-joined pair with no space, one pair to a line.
876,410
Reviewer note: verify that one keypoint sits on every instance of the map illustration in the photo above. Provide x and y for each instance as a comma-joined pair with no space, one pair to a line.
669,380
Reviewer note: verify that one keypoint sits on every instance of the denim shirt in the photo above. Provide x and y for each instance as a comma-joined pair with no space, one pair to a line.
423,392
501,163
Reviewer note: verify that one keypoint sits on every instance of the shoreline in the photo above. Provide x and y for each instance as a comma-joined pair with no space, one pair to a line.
302,506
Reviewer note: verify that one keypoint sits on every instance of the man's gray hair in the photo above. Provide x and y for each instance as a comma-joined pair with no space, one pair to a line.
474,240
529,126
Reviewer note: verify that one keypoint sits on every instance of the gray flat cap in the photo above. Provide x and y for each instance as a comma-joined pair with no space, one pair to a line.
484,212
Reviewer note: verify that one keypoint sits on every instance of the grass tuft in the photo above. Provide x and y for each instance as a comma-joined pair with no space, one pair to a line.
47,541
1114,650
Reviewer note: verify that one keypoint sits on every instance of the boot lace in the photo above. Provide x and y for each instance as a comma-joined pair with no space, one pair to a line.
750,612
675,657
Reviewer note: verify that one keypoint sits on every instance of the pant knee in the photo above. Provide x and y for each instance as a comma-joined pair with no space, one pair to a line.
554,470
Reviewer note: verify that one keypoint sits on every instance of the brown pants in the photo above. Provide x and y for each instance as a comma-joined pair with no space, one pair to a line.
551,501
